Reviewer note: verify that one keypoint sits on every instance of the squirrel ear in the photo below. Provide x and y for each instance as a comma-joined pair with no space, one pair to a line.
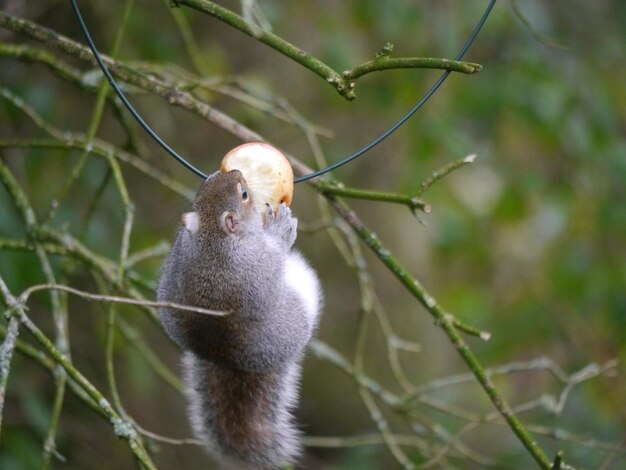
191,222
230,222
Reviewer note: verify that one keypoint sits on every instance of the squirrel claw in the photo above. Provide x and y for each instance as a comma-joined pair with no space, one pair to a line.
282,224
283,210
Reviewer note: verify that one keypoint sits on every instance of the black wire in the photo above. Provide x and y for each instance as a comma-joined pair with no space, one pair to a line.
412,111
315,174
122,96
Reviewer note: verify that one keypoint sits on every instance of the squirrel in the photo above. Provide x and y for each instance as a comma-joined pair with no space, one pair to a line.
241,370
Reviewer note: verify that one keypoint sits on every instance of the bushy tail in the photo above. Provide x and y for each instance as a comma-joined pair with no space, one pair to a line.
243,417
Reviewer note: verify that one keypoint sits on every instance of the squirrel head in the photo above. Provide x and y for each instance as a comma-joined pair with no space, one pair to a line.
223,207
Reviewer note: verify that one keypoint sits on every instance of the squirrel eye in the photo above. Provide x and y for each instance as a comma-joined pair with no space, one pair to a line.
244,195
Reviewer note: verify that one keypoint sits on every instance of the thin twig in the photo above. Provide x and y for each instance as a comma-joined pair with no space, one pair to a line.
41,358
59,314
29,350
122,428
95,120
545,40
104,266
149,83
157,251
103,150
342,82
38,55
323,351
110,359
542,363
370,301
65,140
135,339
443,320
384,62
359,351
364,440
186,33
169,440
443,172
6,356
335,189
576,378
115,299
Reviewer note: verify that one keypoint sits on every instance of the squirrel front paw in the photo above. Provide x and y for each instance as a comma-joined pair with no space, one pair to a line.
282,225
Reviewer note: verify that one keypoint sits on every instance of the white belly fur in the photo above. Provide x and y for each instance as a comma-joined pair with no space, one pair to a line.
303,280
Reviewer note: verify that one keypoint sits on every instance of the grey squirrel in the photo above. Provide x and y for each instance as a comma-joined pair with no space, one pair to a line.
241,370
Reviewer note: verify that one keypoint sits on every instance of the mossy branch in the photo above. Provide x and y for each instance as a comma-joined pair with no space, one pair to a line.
6,357
389,63
64,140
332,188
343,83
123,429
150,83
37,55
446,322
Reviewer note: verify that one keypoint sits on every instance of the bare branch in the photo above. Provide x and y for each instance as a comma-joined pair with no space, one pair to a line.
342,82
23,298
122,428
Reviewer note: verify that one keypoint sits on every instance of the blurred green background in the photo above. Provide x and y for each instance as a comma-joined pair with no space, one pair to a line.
528,242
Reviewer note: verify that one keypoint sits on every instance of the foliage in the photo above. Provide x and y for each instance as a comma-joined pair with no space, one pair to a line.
526,242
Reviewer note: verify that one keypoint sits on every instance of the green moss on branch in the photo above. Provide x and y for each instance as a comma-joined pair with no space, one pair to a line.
343,83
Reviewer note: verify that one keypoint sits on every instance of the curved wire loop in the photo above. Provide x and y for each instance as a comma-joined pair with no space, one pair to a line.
431,91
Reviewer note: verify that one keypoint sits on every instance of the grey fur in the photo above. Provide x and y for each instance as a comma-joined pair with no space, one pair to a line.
241,370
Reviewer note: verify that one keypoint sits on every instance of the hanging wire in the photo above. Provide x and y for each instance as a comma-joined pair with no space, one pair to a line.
122,96
315,174
431,91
